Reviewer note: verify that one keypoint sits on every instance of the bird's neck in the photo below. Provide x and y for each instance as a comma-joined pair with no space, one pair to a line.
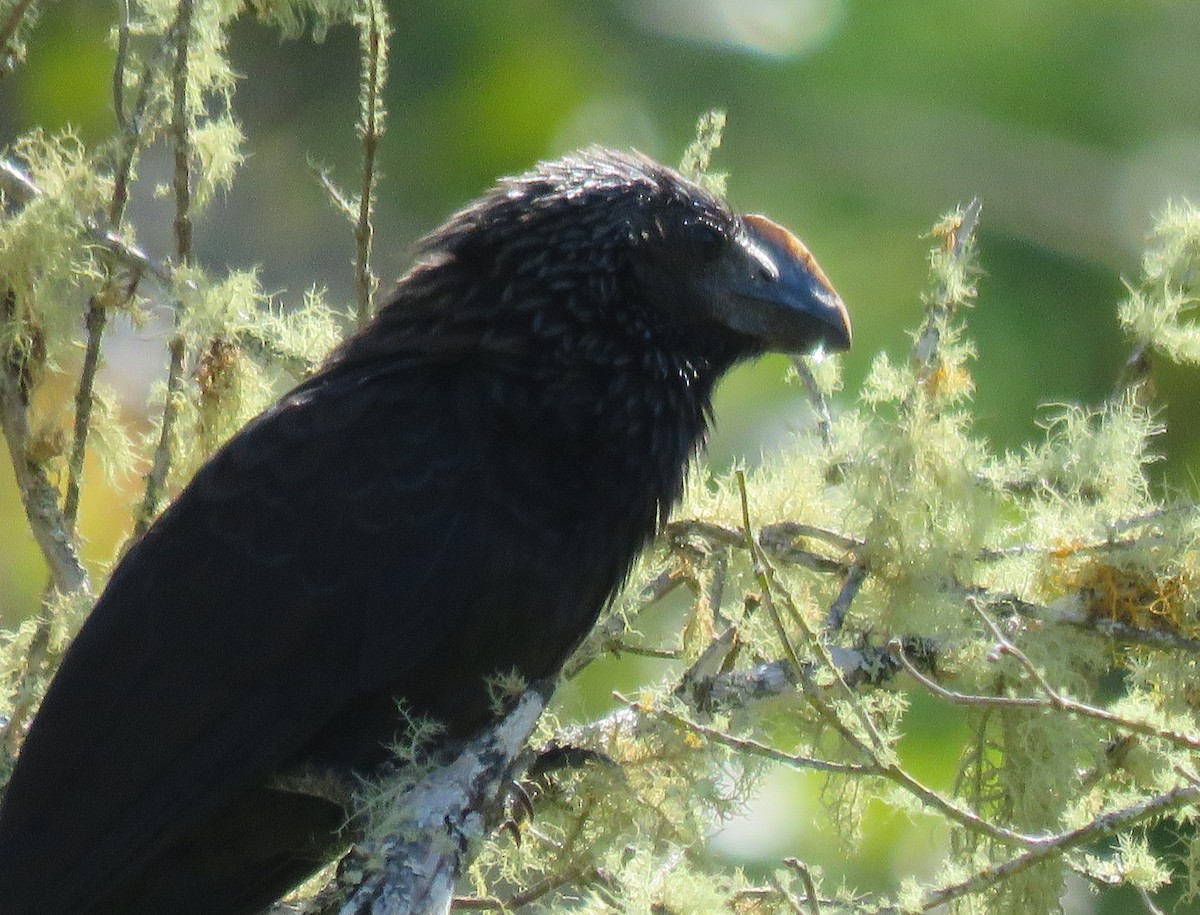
624,395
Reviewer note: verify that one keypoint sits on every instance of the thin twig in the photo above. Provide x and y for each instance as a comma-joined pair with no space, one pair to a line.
156,480
20,186
94,322
943,302
788,896
1056,846
611,631
768,582
336,195
836,616
8,30
746,744
816,397
646,651
794,530
118,78
996,554
1136,376
1055,700
99,303
373,31
890,771
801,870
25,700
582,873
1070,613
1148,901
764,581
1109,544
715,534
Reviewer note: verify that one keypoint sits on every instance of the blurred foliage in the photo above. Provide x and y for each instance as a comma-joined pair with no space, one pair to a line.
852,121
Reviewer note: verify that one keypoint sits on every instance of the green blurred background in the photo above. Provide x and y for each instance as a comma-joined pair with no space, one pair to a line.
855,122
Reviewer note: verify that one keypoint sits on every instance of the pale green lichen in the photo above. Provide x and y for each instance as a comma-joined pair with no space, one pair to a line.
698,156
1160,304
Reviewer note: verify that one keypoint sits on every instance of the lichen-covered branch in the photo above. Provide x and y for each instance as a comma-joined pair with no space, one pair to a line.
415,869
1102,826
16,183
49,527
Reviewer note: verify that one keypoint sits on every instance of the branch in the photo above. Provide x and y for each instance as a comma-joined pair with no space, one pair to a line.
1051,698
21,187
38,494
957,233
373,31
816,397
443,815
1056,846
160,468
609,634
747,745
100,302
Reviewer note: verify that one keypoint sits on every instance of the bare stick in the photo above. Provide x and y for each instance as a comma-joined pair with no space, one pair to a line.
344,205
608,635
841,604
1056,700
84,400
118,79
765,583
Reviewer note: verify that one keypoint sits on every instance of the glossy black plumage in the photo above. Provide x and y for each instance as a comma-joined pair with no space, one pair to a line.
456,494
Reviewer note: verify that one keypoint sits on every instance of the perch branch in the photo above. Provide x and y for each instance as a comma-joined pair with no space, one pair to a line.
444,814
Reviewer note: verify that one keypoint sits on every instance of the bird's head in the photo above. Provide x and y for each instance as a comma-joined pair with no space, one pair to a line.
602,245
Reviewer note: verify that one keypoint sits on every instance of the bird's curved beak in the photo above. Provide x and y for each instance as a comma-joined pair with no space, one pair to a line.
784,298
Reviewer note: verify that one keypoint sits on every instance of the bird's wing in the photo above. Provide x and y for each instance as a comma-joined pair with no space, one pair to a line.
327,549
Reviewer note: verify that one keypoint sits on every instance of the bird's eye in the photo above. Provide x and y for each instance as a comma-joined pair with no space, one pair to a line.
706,240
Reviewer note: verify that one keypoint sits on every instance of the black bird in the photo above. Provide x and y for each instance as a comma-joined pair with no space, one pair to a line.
455,494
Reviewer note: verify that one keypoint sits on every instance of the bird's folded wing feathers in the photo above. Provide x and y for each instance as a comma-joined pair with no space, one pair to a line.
236,691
